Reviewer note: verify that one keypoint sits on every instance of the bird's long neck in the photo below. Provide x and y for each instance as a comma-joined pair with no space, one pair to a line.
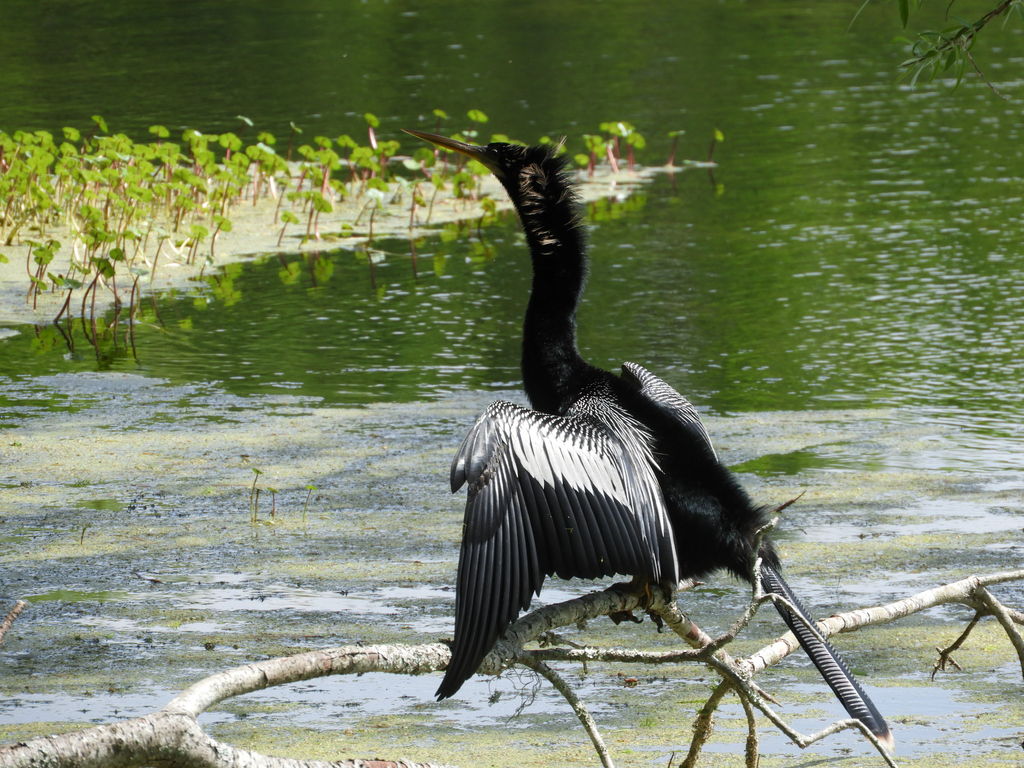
553,370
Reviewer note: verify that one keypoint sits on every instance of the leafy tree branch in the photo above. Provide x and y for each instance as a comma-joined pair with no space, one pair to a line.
936,52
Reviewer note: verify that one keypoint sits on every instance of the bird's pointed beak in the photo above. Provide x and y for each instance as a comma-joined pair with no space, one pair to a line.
474,151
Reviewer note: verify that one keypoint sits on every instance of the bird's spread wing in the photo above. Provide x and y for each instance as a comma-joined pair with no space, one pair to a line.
568,495
670,401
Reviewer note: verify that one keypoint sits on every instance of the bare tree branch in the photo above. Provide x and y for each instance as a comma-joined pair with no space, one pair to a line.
578,707
1003,617
173,737
959,591
704,724
751,751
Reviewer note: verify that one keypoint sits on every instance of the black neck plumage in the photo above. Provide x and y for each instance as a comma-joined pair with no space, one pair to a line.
553,370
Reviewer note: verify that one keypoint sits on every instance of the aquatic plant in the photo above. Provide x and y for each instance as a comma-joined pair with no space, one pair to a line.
254,496
99,213
621,132
674,135
305,504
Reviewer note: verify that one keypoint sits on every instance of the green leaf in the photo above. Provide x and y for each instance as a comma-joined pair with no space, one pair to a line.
3,259
321,203
104,267
72,134
904,12
719,136
230,141
372,120
440,114
424,156
476,116
160,131
100,123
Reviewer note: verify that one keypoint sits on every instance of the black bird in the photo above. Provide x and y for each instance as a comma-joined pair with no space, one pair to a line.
607,474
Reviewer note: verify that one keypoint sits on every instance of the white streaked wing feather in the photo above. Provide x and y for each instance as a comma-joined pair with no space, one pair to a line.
574,495
677,406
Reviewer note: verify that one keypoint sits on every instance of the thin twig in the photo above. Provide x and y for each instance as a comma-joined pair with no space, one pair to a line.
739,674
946,654
744,687
683,626
586,654
758,596
578,707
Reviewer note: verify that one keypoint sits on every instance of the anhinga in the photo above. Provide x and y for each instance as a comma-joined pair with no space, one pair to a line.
606,474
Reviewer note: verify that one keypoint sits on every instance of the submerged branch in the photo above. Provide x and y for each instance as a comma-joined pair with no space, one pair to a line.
704,724
946,654
577,706
12,614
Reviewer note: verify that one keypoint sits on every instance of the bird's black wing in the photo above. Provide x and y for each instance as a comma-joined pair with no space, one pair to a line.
570,495
669,400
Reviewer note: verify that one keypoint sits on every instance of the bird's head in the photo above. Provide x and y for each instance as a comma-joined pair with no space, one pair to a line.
514,165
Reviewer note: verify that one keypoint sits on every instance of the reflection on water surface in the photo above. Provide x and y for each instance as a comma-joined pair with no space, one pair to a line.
844,299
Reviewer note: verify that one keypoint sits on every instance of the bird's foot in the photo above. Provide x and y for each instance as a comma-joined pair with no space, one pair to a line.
640,587
658,621
620,616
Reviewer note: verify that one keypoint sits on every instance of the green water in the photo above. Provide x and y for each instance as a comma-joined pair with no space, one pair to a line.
843,298
863,247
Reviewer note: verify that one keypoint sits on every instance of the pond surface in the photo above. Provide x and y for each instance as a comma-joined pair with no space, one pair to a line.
862,245
843,297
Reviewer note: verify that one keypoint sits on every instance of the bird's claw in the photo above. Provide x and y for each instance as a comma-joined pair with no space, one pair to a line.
620,616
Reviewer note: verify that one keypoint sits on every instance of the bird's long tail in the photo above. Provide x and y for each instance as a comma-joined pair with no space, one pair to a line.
827,659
